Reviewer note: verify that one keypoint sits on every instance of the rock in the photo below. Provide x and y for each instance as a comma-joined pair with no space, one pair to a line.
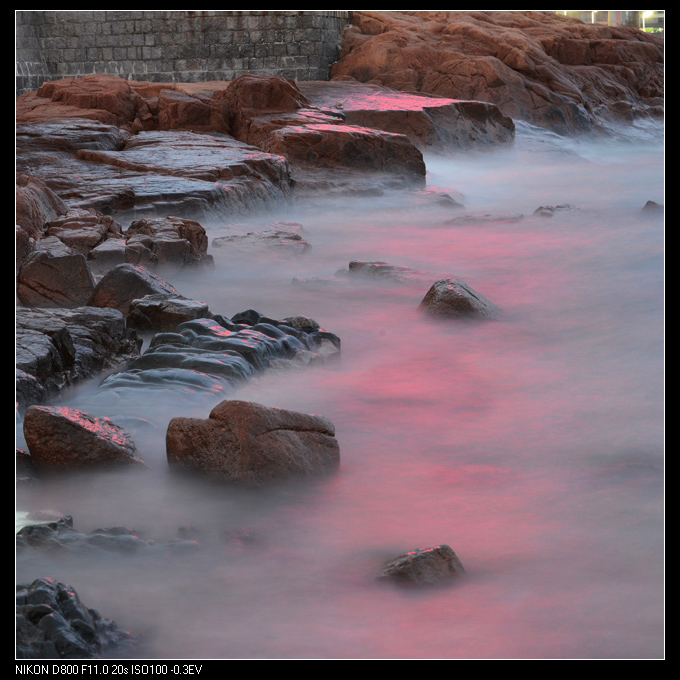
107,99
652,207
281,236
174,241
53,623
433,124
35,205
550,210
540,67
82,230
382,270
47,280
125,283
429,566
164,313
454,299
57,348
252,444
62,439
350,147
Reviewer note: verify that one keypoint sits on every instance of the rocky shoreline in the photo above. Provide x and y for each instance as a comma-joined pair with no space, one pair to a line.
116,179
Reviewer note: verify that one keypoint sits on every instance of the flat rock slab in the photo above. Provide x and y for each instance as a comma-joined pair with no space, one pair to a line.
253,444
429,566
431,123
454,299
62,439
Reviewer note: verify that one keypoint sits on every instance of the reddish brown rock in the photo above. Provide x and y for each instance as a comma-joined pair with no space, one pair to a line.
61,438
349,147
541,67
250,443
104,98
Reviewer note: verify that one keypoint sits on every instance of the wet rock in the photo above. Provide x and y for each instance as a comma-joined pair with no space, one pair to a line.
536,66
53,623
173,240
125,283
57,348
35,205
428,566
164,312
454,299
252,444
652,207
382,270
433,124
280,236
550,210
48,280
82,230
359,149
62,439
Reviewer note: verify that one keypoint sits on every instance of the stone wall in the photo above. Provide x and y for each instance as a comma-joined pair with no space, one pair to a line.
175,46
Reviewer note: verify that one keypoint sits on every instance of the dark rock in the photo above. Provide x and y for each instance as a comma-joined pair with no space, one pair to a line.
53,623
454,299
423,566
125,283
253,444
550,210
62,439
47,280
57,348
82,230
382,270
652,207
164,313
280,236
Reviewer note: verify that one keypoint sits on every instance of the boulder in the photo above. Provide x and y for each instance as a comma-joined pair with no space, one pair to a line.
81,230
125,283
53,623
62,439
382,271
428,566
47,280
454,299
253,444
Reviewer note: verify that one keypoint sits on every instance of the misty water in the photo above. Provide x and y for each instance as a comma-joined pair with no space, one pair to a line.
532,445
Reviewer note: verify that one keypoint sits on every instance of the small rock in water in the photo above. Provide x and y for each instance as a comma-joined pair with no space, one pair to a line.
61,438
652,207
452,298
550,210
423,566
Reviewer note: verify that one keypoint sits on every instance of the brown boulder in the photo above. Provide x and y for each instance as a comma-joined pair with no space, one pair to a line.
61,438
250,443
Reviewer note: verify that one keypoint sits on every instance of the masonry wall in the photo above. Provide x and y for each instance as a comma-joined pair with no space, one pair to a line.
175,46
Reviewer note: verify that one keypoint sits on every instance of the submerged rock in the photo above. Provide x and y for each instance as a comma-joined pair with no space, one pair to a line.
53,623
61,439
252,444
454,299
423,566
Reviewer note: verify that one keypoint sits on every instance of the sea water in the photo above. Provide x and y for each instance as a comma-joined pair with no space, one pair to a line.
533,445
